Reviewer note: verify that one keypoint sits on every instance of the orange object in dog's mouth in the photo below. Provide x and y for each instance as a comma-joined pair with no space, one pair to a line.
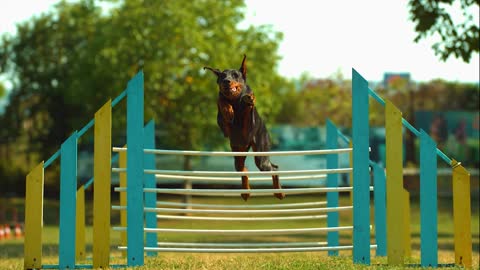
233,90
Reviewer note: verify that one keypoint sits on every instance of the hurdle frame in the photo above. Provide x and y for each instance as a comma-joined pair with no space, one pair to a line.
396,247
72,231
140,137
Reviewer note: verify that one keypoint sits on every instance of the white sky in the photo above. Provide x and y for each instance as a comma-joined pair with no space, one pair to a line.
324,37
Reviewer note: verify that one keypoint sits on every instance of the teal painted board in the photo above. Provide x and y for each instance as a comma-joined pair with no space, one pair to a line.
332,181
150,182
135,236
68,202
380,203
361,174
428,201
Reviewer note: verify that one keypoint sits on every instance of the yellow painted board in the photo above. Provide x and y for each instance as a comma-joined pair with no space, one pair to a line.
462,216
395,196
102,157
408,235
80,225
34,218
122,163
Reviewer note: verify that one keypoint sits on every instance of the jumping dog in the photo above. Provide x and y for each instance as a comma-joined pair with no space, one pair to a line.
239,121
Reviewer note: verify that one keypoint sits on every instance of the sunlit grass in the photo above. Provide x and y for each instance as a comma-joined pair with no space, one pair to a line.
11,251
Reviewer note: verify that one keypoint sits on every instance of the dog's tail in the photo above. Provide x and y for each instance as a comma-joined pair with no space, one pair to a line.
274,166
264,164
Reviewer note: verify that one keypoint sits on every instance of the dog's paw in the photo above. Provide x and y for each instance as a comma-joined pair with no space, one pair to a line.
280,196
245,196
228,114
249,99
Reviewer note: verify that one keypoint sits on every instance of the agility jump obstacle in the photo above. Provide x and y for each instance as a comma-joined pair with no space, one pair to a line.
138,179
232,211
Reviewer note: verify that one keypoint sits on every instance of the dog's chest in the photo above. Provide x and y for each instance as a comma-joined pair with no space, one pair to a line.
241,121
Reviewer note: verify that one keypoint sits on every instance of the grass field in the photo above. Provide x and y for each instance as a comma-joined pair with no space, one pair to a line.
11,251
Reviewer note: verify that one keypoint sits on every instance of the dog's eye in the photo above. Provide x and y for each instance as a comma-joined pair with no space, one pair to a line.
235,75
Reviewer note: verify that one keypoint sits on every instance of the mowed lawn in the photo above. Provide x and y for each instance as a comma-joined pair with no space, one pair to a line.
11,251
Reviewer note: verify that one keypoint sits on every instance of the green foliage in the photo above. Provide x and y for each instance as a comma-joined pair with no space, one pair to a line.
317,100
65,64
440,95
435,17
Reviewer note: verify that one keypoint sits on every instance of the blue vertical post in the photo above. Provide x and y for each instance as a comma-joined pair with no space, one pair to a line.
135,235
428,201
332,181
361,174
68,202
380,202
150,182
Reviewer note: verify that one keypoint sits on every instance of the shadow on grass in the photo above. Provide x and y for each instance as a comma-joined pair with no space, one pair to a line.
450,245
440,265
16,250
417,265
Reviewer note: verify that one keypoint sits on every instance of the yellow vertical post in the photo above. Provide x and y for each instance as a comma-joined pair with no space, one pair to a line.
395,196
34,218
462,215
80,225
122,163
102,157
408,236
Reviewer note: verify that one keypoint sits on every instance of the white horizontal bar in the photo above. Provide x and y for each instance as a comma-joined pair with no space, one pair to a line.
246,250
244,232
227,192
231,154
242,211
241,218
196,244
204,178
245,206
250,211
230,173
207,192
250,173
250,232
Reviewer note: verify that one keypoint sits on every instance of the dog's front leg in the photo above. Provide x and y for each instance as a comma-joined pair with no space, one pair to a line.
248,102
225,116
240,167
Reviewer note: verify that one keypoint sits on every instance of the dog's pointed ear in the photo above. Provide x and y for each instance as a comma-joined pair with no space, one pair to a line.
243,67
214,70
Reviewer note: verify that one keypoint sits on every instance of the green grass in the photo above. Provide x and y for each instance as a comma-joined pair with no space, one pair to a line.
11,251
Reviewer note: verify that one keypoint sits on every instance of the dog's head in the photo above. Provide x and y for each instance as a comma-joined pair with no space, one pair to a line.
231,82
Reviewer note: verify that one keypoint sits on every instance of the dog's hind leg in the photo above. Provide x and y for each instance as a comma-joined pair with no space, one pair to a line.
263,164
240,167
276,184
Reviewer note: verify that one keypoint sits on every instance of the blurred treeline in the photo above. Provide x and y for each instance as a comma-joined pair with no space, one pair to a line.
65,64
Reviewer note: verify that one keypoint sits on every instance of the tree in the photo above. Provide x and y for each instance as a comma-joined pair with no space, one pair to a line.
317,100
66,63
437,17
54,82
